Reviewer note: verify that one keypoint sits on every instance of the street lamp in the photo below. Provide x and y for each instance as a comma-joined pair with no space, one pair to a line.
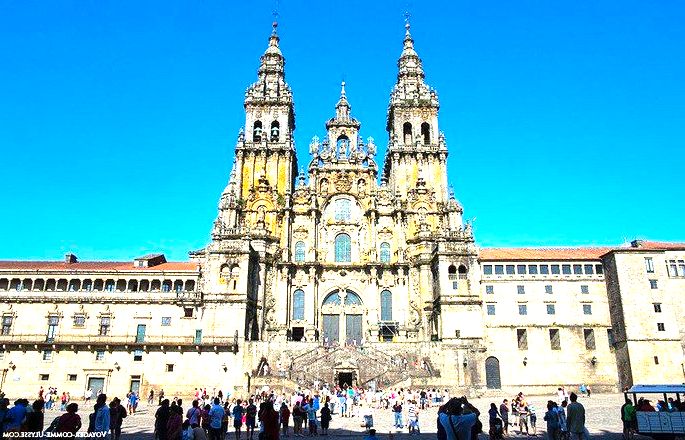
525,361
593,361
11,365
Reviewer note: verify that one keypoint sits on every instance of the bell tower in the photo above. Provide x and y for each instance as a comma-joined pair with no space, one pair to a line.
417,151
265,160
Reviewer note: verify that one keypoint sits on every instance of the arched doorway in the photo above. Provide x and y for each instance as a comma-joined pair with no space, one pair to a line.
342,313
492,377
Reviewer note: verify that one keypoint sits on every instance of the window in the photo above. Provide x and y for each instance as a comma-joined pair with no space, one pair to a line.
577,269
455,285
548,289
589,335
544,269
520,289
610,337
566,269
660,326
166,321
275,131
425,133
554,269
653,284
521,269
299,252
169,368
587,309
551,309
657,307
44,376
499,269
491,309
584,289
489,289
487,269
53,321
6,325
510,269
352,299
140,333
649,264
109,286
386,305
599,269
298,305
532,269
187,312
79,320
385,252
257,131
100,355
104,325
166,287
523,309
656,360
522,338
407,132
554,339
342,209
138,355
343,248
72,378
47,355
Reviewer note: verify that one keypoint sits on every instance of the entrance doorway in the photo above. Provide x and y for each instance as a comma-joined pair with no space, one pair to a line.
353,329
492,377
135,384
345,379
96,385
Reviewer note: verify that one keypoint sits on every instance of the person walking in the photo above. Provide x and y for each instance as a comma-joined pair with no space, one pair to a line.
100,416
216,416
69,421
161,420
284,412
325,418
237,418
397,413
552,419
575,418
117,414
628,416
504,414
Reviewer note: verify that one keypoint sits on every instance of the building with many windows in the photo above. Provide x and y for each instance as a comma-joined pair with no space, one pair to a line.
349,273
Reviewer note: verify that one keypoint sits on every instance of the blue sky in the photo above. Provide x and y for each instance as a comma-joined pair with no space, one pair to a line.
565,120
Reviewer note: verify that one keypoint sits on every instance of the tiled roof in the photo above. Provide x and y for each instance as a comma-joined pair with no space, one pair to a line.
95,266
580,253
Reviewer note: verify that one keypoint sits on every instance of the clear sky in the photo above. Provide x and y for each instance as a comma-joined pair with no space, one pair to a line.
565,120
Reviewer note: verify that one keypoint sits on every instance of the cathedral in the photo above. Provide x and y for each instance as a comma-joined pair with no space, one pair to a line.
345,273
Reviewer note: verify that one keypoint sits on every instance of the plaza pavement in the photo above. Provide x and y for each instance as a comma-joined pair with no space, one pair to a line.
602,420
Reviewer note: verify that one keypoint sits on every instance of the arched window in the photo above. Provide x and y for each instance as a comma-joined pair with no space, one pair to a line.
342,145
452,269
343,248
257,131
406,130
462,269
298,305
342,209
426,133
332,300
385,252
352,299
299,251
386,305
275,131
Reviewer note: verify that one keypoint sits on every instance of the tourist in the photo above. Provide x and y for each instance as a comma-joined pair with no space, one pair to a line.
63,402
194,413
458,419
199,433
371,435
575,418
151,397
552,419
298,416
35,418
161,419
533,418
628,417
237,418
563,425
311,417
175,424
250,418
269,421
69,421
504,414
284,413
117,414
325,418
216,416
133,399
397,413
205,417
87,395
187,431
413,418
225,420
101,416
523,419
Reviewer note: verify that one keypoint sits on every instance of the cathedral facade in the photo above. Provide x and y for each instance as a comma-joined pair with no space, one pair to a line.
347,273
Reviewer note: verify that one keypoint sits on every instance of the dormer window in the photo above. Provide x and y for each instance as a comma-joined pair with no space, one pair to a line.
257,131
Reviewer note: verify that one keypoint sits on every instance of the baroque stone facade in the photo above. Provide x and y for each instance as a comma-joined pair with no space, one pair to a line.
348,274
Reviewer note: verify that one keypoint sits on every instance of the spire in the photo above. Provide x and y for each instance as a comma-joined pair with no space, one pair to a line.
342,108
409,62
270,83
